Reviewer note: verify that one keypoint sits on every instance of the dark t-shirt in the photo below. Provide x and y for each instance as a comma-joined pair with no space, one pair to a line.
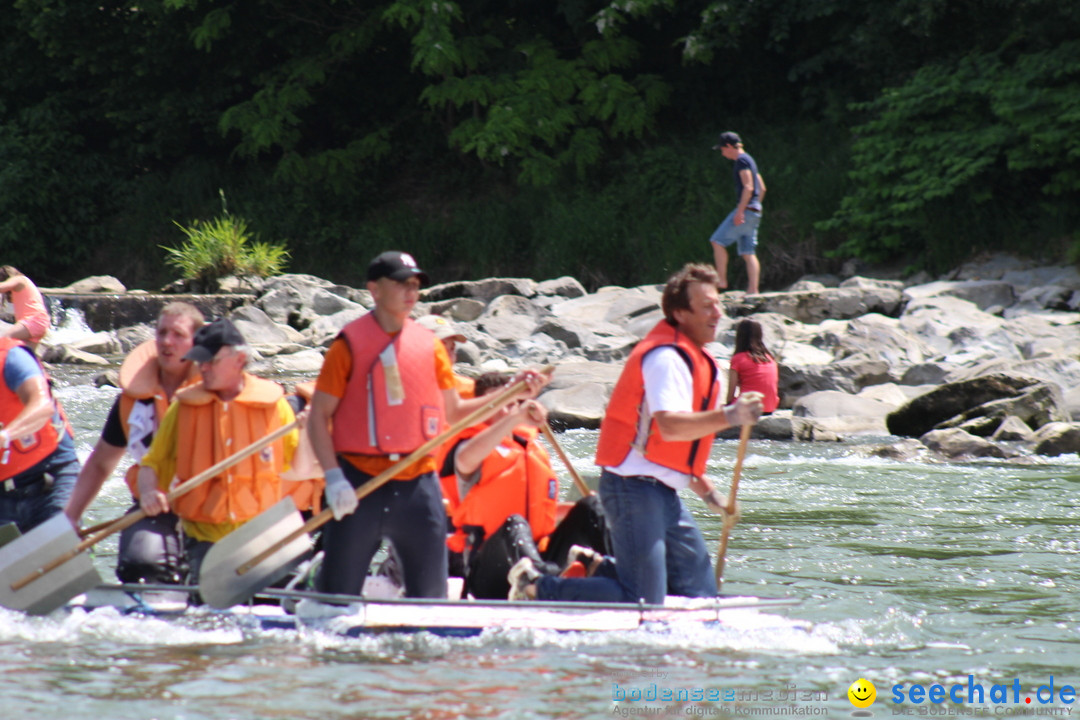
113,432
745,162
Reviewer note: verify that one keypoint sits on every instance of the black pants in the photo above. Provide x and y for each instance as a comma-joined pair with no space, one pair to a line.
408,513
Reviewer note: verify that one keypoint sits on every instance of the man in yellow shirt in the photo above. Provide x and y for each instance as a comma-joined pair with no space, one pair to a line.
228,410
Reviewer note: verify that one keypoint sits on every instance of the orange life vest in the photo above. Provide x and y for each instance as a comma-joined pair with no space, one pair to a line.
304,481
140,380
24,452
619,428
210,430
388,409
515,479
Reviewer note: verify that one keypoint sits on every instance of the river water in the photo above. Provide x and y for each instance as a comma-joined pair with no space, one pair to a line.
906,574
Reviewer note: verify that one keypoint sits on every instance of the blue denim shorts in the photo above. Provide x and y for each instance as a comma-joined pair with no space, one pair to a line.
745,234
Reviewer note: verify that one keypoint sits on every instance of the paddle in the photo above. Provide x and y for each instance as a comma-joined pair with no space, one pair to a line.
744,440
578,482
60,545
263,549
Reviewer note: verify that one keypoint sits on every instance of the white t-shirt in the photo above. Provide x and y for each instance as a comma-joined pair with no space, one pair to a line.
669,387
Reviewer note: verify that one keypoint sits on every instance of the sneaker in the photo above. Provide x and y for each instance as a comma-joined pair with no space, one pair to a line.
584,555
521,576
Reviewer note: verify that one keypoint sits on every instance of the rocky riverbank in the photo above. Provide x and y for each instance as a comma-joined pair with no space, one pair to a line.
981,362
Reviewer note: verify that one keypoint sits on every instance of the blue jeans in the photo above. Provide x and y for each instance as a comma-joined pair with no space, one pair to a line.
41,492
745,234
658,548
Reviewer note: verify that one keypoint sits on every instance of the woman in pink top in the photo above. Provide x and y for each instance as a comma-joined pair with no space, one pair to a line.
31,315
753,367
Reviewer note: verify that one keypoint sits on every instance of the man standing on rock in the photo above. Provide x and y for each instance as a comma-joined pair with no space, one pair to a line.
741,225
384,389
151,550
654,441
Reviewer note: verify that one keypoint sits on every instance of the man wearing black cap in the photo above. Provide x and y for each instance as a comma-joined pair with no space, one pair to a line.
386,387
228,410
741,225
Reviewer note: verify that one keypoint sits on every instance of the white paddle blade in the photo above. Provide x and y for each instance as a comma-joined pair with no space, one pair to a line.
32,552
220,583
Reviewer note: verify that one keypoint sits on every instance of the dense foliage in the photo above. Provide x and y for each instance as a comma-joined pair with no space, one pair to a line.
535,137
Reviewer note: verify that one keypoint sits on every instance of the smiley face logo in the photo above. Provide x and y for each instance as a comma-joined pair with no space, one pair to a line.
862,693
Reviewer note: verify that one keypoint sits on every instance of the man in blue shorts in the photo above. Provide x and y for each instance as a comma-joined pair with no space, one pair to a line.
742,224
38,465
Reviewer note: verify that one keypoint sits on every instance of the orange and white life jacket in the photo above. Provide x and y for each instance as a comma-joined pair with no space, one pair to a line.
619,428
210,430
392,403
143,403
515,479
24,452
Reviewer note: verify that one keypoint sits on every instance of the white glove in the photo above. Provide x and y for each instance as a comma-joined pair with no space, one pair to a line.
340,494
745,410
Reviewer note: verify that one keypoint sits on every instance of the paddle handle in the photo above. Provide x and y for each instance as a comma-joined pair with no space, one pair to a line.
133,517
721,553
387,475
578,482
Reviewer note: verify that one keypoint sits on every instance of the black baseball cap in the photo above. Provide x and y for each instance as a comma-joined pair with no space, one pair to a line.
727,138
396,266
210,338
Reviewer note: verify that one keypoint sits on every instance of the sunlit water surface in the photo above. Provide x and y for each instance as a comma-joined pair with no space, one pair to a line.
905,573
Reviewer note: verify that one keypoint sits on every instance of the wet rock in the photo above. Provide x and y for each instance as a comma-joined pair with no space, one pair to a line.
1057,438
954,443
996,396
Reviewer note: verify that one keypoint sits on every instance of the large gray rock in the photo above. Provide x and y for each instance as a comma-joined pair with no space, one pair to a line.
991,396
831,404
849,375
580,406
955,443
257,327
813,307
96,284
485,290
1058,438
65,355
982,293
323,330
610,305
566,286
509,318
100,343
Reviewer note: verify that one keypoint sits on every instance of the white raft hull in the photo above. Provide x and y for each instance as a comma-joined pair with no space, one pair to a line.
353,616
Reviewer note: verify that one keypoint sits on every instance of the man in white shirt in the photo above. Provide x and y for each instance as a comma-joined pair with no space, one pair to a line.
654,441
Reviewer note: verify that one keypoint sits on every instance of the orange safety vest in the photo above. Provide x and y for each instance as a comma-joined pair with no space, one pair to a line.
619,428
515,479
304,480
140,380
24,452
210,430
388,409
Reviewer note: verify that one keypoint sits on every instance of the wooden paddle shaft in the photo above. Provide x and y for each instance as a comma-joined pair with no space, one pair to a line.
578,482
133,517
744,440
387,475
